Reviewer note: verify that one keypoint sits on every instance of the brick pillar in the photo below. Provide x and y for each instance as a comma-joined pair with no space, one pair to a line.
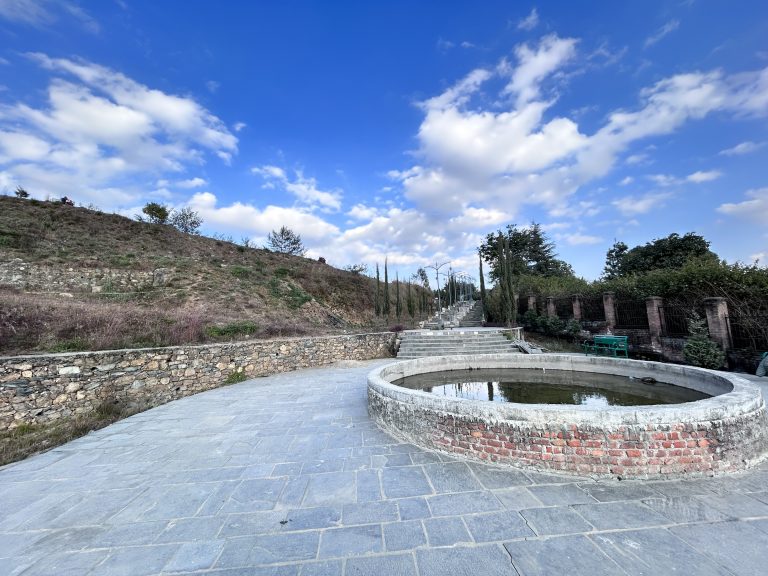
609,305
717,321
576,301
551,308
652,305
532,303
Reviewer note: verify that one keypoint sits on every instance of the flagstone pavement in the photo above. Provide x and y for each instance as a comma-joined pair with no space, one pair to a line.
287,475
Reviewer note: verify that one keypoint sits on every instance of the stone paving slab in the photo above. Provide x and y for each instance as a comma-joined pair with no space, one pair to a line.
287,476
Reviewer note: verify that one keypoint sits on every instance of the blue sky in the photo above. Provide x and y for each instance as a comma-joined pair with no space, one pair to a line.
399,129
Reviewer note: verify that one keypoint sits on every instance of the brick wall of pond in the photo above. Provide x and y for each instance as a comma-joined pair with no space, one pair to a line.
42,388
648,450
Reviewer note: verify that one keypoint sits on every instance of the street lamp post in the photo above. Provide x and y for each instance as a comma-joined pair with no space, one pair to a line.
436,268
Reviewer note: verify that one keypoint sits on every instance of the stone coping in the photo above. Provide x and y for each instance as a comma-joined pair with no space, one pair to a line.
190,346
732,395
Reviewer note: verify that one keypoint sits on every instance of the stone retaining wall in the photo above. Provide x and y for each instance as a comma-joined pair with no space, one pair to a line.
724,433
36,277
38,389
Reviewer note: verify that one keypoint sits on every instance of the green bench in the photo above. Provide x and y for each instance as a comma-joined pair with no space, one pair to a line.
607,345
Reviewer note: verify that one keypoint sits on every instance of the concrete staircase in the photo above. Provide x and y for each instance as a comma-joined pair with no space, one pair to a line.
474,317
445,342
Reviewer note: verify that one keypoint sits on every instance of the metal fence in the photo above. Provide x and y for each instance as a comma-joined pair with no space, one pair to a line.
592,309
749,330
631,314
564,307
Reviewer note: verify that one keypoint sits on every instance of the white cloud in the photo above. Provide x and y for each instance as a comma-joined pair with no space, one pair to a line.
581,239
756,207
742,148
99,130
627,180
212,86
529,22
663,180
304,189
254,220
665,30
634,205
706,176
759,258
362,212
636,159
191,183
238,126
44,13
535,65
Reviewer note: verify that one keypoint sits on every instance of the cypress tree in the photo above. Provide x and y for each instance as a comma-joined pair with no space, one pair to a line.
483,304
398,303
409,301
376,296
385,308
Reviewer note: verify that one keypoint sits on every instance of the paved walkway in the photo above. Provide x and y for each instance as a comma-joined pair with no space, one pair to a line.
286,475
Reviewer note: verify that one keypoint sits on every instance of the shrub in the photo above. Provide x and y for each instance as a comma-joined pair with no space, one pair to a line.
188,221
235,377
699,349
241,328
156,213
396,328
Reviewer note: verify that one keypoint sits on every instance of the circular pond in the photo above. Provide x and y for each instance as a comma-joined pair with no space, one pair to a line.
542,386
708,422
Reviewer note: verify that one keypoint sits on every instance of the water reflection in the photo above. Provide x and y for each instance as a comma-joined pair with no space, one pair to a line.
537,386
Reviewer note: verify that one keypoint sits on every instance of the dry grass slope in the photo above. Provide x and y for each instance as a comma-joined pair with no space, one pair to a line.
218,290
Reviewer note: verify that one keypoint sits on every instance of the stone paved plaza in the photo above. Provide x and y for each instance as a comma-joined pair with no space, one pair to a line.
286,475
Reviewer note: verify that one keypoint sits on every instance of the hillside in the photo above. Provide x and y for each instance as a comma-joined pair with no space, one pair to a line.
73,278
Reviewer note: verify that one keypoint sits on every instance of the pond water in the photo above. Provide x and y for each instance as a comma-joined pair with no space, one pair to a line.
543,386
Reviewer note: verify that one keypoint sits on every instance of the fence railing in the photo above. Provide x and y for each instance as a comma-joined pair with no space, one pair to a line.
564,307
631,314
749,330
592,309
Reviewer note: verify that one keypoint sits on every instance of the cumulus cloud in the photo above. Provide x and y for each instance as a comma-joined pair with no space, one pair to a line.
529,22
304,189
252,219
192,183
704,176
627,180
755,207
634,205
100,128
510,150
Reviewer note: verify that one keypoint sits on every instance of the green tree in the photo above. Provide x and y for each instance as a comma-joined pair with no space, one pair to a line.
285,241
385,308
377,295
155,213
186,220
398,303
529,251
483,295
699,349
409,301
614,259
661,253
21,193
